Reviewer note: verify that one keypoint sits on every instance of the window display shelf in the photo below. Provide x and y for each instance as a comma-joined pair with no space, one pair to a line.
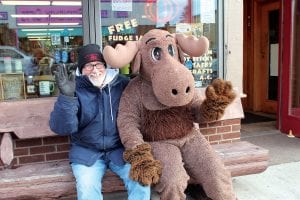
15,86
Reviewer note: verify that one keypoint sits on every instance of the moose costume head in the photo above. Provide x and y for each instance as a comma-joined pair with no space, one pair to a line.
157,113
158,57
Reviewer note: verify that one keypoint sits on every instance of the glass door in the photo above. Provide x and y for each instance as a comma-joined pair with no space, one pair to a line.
290,78
269,37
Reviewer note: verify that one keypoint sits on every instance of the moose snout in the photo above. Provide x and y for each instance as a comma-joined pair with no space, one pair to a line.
173,85
185,91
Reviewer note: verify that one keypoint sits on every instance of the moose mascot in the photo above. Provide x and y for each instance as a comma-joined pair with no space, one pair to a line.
157,115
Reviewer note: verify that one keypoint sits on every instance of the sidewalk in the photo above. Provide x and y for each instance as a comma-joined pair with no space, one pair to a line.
282,178
278,182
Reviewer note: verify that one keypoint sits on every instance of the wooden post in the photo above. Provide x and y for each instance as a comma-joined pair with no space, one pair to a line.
6,149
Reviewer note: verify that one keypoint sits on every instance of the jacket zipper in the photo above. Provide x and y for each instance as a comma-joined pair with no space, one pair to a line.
103,120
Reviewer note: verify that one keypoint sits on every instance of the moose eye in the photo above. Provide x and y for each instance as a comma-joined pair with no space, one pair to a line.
171,50
156,53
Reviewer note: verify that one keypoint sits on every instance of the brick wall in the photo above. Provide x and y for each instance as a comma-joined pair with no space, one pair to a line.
54,148
39,150
222,131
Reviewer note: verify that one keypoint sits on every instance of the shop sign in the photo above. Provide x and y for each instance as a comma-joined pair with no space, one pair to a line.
203,62
202,69
121,5
122,26
124,37
65,10
3,16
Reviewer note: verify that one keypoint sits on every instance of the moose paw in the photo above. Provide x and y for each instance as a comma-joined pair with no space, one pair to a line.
220,92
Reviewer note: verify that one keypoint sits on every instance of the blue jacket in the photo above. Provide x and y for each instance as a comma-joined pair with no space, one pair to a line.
90,118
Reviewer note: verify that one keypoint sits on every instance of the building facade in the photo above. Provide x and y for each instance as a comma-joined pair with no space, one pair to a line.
271,61
36,37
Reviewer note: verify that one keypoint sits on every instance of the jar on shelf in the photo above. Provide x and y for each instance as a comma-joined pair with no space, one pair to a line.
31,87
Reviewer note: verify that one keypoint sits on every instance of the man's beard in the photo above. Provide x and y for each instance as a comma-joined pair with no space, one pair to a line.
97,78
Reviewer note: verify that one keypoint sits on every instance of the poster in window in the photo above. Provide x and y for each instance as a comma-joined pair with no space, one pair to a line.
12,86
184,28
121,5
207,11
3,15
55,39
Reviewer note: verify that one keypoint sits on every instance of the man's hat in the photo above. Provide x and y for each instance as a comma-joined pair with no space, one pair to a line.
89,53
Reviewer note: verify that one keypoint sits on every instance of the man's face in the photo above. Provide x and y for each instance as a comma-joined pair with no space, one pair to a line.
95,71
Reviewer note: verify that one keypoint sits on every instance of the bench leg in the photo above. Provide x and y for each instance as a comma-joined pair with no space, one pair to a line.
6,149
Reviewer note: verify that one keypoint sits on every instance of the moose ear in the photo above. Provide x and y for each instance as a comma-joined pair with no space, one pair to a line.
120,55
191,45
135,67
180,55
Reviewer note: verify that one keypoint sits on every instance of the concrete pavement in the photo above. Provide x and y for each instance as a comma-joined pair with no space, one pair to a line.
278,182
282,178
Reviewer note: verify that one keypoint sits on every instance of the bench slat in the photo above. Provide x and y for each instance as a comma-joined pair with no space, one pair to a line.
55,179
247,168
241,152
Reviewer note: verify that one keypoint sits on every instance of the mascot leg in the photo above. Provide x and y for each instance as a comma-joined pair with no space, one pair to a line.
206,168
174,178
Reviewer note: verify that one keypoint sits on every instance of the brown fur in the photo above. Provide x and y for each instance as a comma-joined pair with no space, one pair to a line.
138,154
218,96
166,124
146,171
159,107
144,168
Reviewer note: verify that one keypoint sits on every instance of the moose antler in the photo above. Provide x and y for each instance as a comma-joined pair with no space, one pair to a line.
191,45
120,55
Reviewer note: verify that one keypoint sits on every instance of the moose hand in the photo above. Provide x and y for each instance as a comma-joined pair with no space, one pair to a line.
218,96
65,82
144,168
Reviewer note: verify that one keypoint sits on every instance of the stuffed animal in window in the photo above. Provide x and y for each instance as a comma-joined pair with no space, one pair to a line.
157,115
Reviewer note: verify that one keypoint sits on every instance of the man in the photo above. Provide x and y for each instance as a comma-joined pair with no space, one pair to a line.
87,112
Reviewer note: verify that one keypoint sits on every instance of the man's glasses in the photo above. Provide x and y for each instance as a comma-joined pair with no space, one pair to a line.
90,67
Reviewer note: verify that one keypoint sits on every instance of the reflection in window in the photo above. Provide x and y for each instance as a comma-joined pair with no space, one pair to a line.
128,21
34,41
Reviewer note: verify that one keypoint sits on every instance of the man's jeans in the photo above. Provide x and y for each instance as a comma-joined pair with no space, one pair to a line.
89,181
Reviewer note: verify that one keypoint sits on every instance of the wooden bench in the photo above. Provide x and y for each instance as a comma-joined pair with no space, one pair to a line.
55,180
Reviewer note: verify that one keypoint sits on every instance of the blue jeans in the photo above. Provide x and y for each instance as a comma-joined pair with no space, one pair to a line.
89,181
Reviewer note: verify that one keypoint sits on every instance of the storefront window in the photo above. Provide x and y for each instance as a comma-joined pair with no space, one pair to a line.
36,37
123,20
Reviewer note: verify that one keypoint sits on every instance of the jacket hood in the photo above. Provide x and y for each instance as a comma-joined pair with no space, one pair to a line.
83,81
111,79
